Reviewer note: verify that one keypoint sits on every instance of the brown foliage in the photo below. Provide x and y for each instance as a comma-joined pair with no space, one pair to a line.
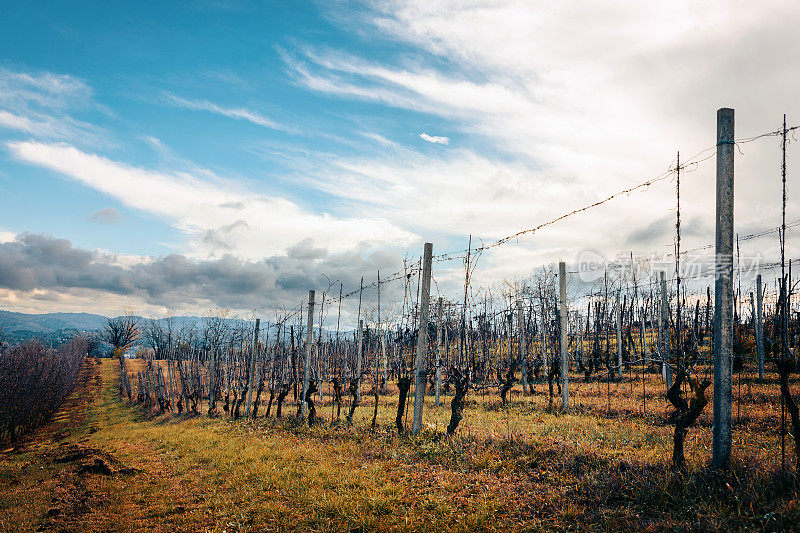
34,381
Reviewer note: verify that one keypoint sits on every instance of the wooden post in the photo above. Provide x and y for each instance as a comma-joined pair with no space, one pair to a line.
438,349
562,291
723,292
422,339
253,378
309,346
759,316
523,355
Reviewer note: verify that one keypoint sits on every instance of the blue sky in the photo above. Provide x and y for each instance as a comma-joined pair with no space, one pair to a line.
140,62
310,138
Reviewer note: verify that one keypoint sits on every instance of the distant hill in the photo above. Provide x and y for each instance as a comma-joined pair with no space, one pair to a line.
50,328
50,322
54,328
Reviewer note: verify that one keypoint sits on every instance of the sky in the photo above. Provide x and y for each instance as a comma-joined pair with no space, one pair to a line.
176,157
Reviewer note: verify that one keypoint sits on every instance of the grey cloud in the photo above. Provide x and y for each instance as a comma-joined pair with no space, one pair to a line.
652,232
108,217
218,238
37,261
48,296
54,265
662,230
215,240
305,249
697,227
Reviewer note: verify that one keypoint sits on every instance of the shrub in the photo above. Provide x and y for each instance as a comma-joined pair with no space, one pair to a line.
34,381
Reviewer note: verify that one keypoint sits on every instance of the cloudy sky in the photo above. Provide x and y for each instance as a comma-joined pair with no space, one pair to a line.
181,156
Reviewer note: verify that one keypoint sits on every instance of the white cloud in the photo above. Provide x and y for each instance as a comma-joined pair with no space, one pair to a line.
23,124
37,104
238,113
82,301
43,89
220,216
582,99
434,139
380,139
465,193
156,145
558,104
7,236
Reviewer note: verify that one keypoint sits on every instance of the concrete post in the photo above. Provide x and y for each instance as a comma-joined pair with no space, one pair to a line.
723,292
666,369
438,349
383,357
422,339
253,378
580,338
759,326
212,372
523,348
619,332
359,358
309,346
643,331
562,291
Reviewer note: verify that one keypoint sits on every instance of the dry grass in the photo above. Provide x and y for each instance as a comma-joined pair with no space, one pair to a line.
520,467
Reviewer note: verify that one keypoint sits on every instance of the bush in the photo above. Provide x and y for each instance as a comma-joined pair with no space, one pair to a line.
34,381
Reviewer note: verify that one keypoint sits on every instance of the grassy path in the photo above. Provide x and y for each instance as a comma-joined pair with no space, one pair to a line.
178,473
103,465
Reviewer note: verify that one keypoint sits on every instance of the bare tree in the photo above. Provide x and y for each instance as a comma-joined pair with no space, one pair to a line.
93,345
121,333
160,335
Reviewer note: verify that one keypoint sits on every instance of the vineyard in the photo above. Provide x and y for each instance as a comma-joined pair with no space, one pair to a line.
591,341
508,394
634,393
399,265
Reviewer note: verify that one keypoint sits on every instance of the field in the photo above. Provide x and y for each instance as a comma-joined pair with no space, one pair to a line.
105,465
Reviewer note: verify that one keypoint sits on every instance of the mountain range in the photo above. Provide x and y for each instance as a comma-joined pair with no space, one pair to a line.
54,328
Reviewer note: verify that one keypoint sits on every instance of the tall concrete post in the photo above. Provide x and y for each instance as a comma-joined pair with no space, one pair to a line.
384,363
759,326
309,346
579,318
523,347
438,349
619,332
643,331
359,358
666,357
723,292
422,339
562,293
253,369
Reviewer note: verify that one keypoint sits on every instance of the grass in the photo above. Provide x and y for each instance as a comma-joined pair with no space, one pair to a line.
520,467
